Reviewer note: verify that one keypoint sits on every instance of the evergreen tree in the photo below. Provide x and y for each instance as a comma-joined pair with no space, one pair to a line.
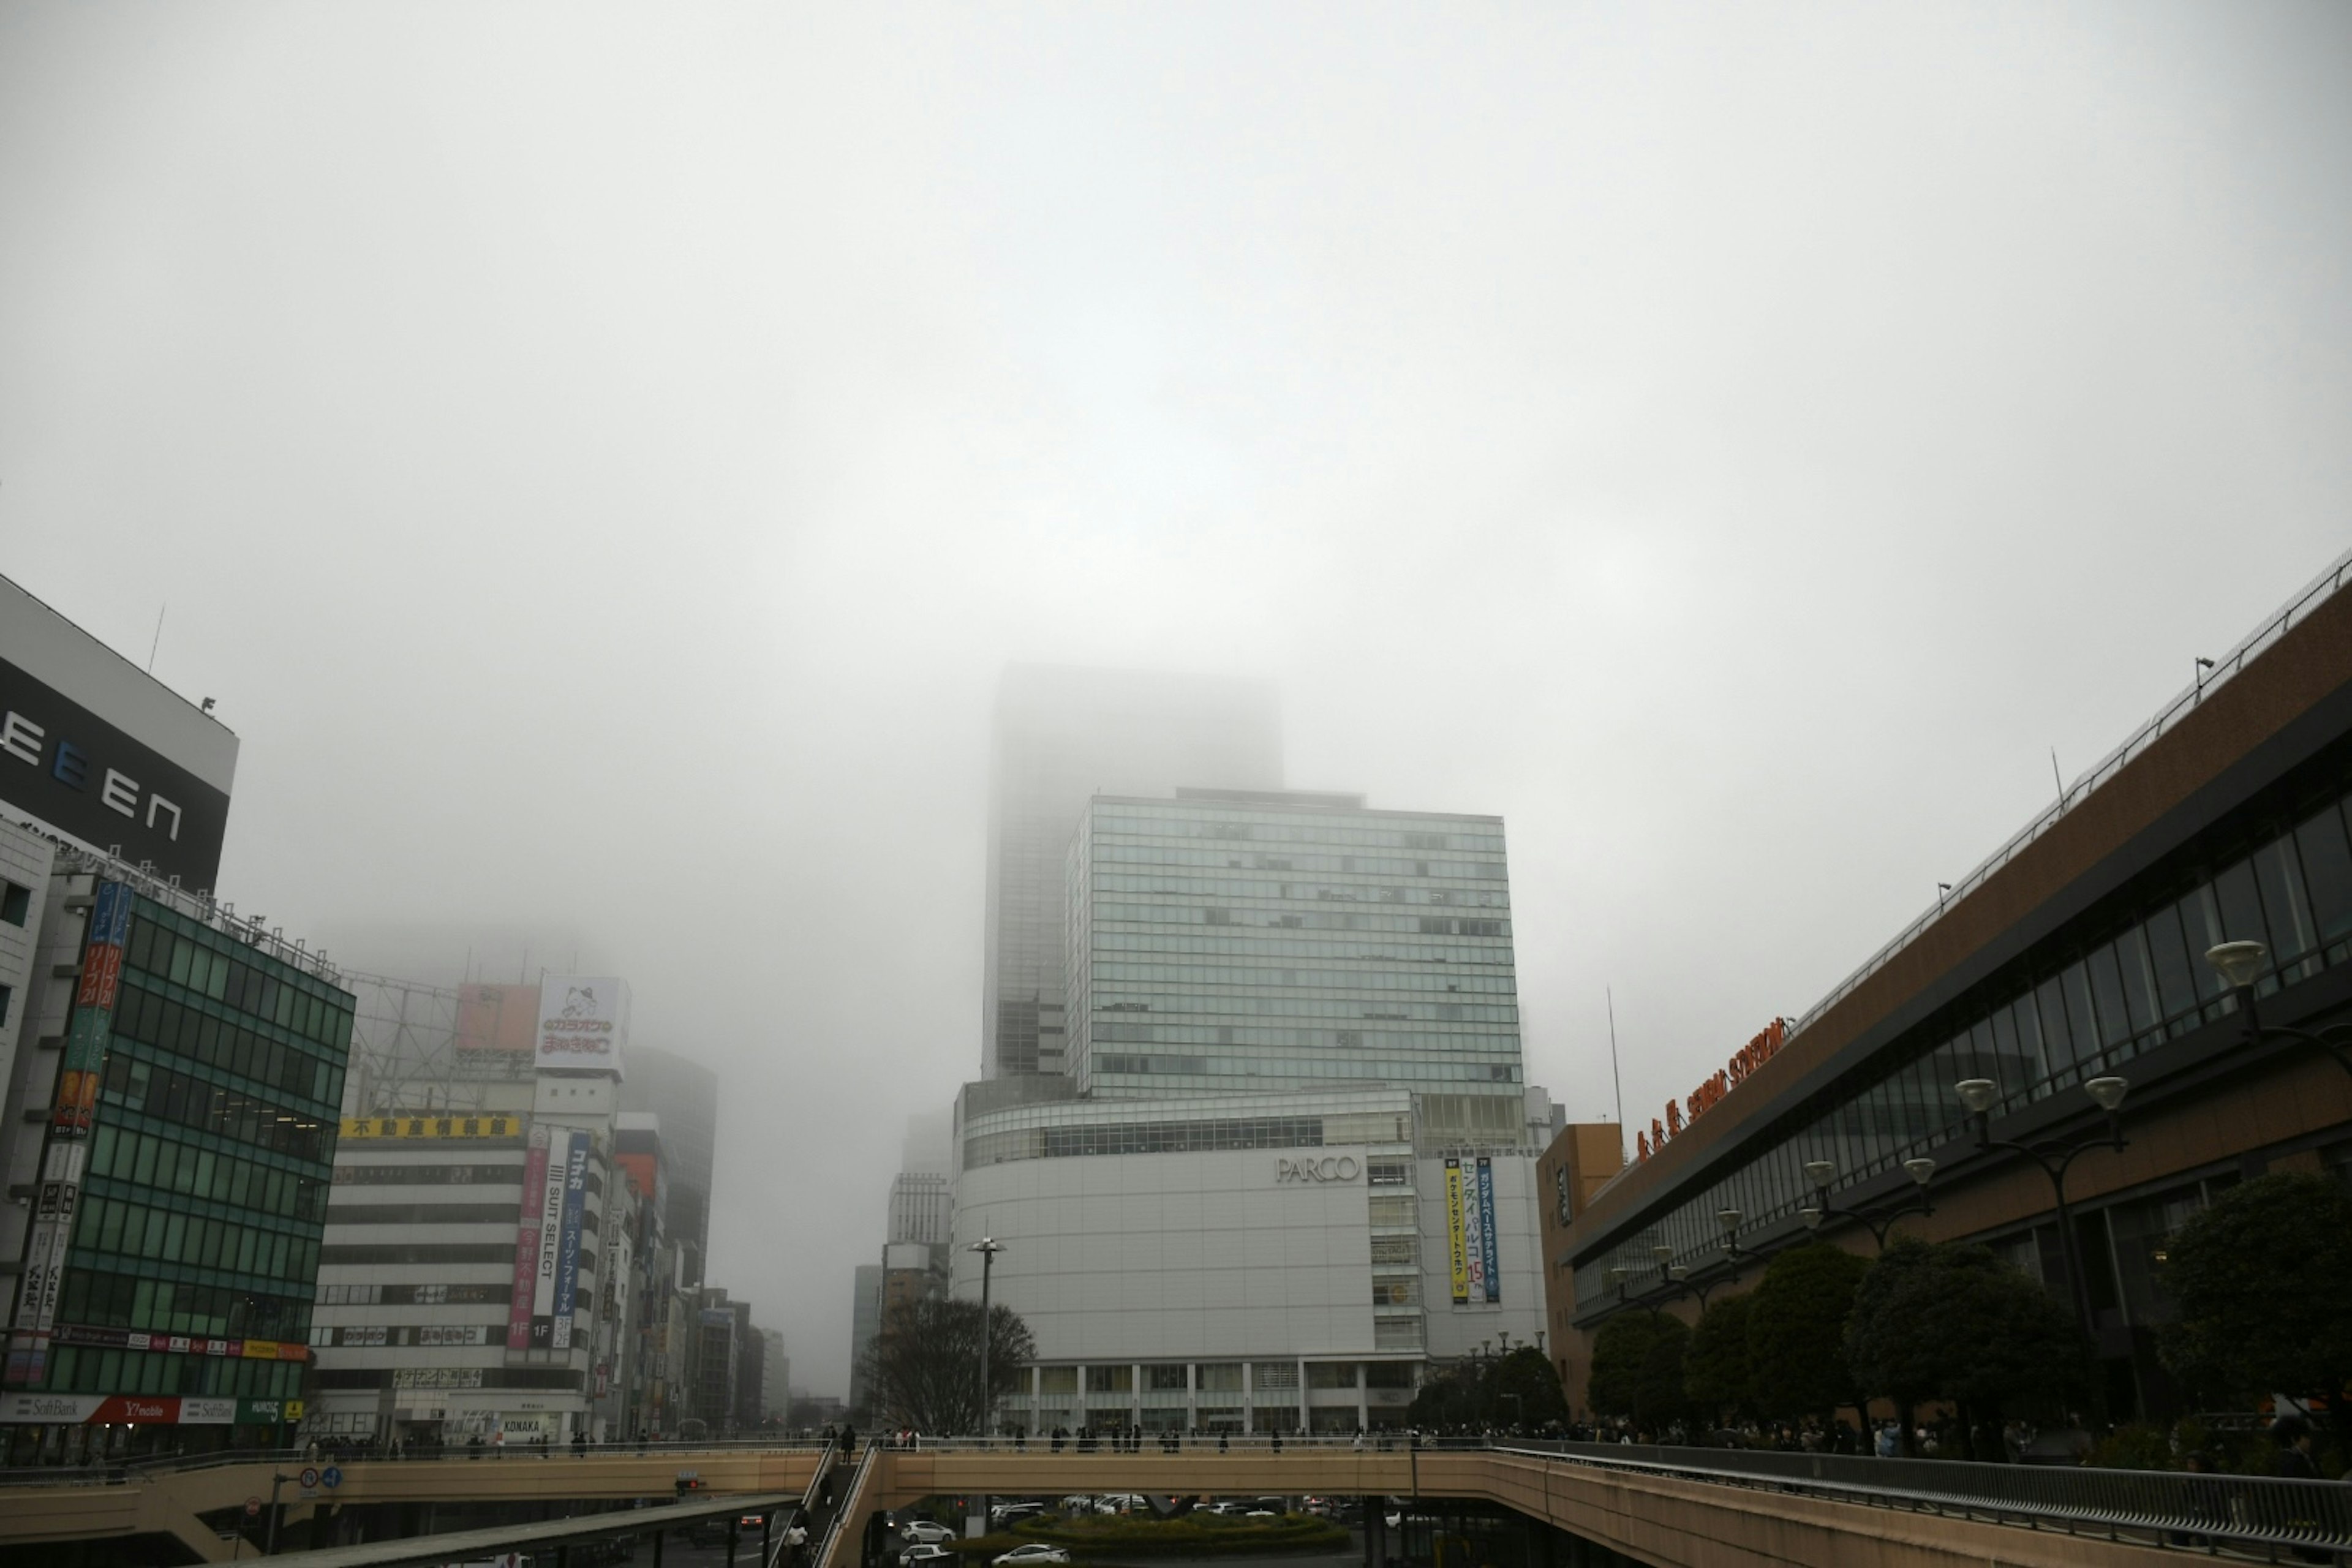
1796,1330
2263,1281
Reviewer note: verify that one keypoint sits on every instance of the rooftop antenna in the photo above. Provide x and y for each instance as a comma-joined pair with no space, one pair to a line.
159,636
1614,1076
2058,778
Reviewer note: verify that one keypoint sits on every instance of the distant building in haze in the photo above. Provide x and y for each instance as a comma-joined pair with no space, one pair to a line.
1062,736
685,1095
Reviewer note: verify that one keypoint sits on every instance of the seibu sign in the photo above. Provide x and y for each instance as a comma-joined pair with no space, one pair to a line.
1329,1168
1762,1048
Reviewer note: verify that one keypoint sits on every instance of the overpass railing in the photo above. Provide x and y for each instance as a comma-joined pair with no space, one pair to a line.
2259,1514
114,1472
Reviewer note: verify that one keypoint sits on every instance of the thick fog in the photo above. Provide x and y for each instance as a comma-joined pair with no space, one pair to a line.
601,459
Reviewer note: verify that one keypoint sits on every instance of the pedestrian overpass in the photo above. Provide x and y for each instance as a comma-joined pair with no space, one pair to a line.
1669,1508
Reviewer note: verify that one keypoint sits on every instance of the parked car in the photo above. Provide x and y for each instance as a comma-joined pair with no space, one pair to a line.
1029,1556
925,1532
927,1552
1006,1513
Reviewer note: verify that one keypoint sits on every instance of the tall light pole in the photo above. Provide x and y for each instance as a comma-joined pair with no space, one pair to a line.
2056,1156
988,1247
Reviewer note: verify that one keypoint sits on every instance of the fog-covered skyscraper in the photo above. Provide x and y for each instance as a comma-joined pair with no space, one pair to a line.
1062,736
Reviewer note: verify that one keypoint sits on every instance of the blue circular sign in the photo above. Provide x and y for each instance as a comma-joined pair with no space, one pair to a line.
332,1475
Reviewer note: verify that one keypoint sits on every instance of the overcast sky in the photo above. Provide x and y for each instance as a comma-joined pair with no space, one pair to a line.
601,458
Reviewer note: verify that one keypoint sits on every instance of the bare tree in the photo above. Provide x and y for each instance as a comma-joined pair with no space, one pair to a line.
924,1364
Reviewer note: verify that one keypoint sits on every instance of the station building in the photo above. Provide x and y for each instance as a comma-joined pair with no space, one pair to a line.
2070,964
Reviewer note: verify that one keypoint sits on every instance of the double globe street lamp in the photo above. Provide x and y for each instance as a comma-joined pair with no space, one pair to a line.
2055,1156
1880,1220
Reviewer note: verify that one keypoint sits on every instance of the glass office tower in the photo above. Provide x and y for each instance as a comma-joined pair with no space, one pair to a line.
1062,736
1252,942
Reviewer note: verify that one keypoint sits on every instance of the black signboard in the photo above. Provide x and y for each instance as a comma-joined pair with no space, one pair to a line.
64,765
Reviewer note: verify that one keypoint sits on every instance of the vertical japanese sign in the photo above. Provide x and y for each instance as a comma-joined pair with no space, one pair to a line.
93,1015
1457,1241
551,1238
1489,1247
567,1263
1473,1240
526,1265
44,1260
58,1191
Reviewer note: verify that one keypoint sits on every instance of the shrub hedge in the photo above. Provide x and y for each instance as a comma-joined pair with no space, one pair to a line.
1140,1535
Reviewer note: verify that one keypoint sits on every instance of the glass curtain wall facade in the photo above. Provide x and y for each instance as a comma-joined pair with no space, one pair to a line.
1061,737
211,1150
2123,980
1220,942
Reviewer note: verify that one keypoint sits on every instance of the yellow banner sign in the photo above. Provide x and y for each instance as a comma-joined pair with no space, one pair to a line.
437,1125
1456,1234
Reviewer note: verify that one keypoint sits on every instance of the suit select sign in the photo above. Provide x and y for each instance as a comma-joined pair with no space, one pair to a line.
584,1022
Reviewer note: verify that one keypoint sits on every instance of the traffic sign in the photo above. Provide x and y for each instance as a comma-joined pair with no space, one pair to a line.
310,1476
332,1475
252,1507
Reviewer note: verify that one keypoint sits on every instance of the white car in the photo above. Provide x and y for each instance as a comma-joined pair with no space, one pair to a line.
1036,1551
925,1532
928,1553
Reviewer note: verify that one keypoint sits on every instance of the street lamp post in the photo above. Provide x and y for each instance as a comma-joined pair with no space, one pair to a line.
988,1247
1879,1221
2054,1156
2240,965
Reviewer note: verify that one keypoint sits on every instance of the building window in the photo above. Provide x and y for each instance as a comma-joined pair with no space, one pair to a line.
1330,1375
1109,1379
15,903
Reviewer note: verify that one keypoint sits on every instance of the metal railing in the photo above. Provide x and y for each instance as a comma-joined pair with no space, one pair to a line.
847,1510
2250,647
2252,1513
2186,702
115,1472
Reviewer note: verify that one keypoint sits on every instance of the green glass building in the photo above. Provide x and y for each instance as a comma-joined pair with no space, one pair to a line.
171,1266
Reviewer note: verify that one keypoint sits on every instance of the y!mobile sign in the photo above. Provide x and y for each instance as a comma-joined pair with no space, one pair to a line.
584,1022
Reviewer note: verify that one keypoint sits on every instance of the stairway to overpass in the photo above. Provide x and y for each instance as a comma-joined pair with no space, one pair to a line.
1671,1508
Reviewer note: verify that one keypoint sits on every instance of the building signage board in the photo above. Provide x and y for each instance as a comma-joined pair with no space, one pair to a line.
66,767
54,1203
584,1022
93,1012
440,1124
526,1267
1473,1239
567,1263
140,1409
1489,1246
1457,1251
498,1018
551,1242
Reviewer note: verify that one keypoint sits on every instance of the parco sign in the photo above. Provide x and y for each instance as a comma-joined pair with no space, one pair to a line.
1329,1168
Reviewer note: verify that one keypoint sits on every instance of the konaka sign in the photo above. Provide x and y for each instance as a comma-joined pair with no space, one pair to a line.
1746,1061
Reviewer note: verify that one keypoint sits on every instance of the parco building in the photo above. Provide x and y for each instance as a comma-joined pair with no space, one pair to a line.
1293,1158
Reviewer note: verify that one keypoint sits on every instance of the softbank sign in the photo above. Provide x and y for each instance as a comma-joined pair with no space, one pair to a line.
584,1022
